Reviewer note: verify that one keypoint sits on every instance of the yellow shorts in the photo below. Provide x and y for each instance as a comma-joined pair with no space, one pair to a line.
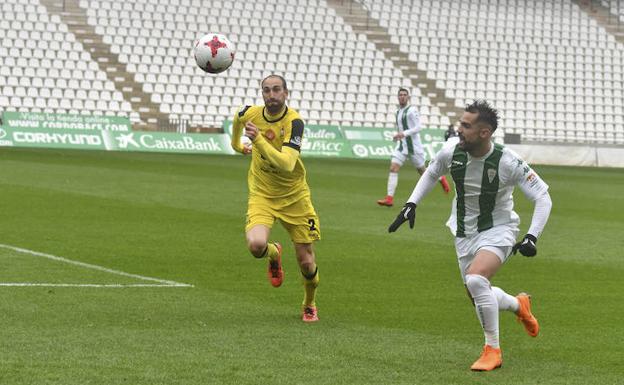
298,218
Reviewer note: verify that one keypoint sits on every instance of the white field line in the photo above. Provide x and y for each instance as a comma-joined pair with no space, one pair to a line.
159,282
113,285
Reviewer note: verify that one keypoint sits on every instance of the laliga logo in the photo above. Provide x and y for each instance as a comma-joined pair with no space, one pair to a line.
360,150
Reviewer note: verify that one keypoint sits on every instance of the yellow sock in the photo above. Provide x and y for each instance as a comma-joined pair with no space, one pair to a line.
270,252
309,285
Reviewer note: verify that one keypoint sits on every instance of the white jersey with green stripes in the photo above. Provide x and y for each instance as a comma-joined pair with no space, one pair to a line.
408,122
484,187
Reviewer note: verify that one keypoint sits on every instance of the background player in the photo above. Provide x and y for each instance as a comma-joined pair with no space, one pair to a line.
278,187
483,221
408,146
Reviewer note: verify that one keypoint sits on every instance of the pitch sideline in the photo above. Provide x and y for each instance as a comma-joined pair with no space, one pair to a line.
158,282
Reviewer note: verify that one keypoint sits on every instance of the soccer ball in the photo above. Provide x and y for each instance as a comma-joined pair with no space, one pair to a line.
213,53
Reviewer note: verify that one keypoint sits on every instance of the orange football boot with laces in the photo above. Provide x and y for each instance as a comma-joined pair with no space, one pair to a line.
525,316
491,358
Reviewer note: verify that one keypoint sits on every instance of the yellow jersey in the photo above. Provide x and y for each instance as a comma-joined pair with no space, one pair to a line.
265,178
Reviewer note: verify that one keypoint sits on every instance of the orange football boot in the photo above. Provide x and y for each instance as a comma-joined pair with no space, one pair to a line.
445,184
525,316
310,314
387,201
491,358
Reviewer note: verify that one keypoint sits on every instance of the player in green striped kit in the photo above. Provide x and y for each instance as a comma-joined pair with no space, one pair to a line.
409,147
483,221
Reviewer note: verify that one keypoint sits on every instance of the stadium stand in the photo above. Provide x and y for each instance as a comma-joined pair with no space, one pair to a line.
156,45
61,77
616,7
555,73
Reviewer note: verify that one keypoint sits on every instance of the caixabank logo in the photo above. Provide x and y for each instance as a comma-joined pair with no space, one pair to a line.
169,142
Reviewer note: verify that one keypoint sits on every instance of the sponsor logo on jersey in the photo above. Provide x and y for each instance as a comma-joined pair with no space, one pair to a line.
269,134
491,173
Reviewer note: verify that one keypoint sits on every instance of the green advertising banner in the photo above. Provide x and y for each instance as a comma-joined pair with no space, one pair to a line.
117,141
227,126
322,132
432,140
367,133
381,149
377,142
372,149
168,142
325,148
51,138
321,141
427,135
43,121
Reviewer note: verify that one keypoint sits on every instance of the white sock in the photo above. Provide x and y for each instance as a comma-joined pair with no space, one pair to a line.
486,306
505,301
393,181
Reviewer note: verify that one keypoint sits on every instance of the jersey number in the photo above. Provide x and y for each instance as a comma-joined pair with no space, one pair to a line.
312,224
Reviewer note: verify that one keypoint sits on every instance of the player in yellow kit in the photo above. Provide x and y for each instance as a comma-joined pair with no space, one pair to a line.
278,187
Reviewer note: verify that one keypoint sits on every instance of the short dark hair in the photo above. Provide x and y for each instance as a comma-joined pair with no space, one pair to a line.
486,113
403,89
275,76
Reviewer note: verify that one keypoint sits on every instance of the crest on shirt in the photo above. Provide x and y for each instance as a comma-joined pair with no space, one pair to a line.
269,134
491,173
532,179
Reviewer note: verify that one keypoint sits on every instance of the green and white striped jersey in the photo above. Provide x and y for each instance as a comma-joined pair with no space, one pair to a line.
408,122
484,187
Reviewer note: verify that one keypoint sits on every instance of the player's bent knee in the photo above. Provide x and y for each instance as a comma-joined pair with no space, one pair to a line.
476,283
256,248
307,267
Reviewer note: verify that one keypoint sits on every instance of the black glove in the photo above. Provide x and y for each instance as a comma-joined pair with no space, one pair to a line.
526,246
408,212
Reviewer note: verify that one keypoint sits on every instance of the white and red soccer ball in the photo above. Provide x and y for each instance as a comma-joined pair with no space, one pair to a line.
213,53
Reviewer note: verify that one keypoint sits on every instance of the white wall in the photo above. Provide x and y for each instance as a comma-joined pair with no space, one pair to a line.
571,155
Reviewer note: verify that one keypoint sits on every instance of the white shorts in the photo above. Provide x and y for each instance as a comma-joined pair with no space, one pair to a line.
417,159
499,240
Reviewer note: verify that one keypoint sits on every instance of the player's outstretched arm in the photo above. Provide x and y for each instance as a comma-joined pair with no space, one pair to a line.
528,245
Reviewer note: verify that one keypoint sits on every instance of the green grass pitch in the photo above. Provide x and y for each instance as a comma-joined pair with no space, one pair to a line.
392,306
